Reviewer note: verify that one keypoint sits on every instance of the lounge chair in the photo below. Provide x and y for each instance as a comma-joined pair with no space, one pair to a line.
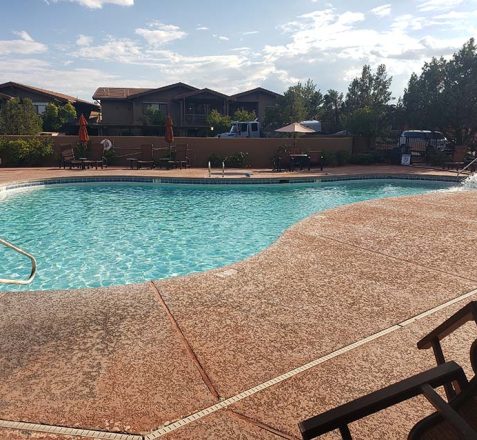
163,157
68,159
97,158
181,156
144,159
455,419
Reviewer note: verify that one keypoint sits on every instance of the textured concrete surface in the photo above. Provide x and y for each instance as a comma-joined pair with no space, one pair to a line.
129,359
100,359
19,174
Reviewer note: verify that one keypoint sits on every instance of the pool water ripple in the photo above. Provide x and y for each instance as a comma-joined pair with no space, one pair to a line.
90,235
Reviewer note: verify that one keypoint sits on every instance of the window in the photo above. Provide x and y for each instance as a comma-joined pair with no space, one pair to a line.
254,126
243,127
40,107
156,106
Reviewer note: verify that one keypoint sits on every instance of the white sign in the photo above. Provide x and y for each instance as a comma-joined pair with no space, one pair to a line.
406,159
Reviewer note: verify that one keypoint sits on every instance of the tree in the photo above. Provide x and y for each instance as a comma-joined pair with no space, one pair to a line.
444,96
367,102
67,113
18,116
300,102
154,117
369,90
244,115
220,123
331,112
56,116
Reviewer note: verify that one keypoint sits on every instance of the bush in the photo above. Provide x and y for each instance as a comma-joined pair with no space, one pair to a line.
437,158
237,160
364,159
342,157
215,160
27,151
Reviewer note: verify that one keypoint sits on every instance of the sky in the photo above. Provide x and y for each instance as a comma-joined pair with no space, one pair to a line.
76,46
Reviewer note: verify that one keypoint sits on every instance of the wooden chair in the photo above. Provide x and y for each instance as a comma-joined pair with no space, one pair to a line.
68,159
181,156
163,157
455,419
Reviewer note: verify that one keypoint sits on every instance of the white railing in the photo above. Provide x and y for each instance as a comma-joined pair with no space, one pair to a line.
22,252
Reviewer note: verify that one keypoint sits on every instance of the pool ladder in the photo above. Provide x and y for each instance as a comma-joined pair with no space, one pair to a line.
22,252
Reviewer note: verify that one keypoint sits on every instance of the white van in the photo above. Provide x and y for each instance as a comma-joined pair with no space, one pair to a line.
420,140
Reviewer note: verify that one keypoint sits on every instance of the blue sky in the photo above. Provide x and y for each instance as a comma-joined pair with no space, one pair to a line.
75,46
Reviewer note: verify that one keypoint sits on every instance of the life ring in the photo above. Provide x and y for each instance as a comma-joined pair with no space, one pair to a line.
107,144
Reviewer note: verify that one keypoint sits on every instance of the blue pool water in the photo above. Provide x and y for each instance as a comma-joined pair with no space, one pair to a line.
89,235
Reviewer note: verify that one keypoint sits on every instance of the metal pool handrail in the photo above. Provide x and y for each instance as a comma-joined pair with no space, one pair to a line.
467,166
20,251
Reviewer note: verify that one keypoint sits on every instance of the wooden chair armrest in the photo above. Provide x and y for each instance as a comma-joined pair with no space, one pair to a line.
340,417
465,314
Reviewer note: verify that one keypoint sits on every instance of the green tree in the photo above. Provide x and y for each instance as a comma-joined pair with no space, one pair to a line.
331,112
67,113
244,115
300,102
154,117
56,116
367,102
220,122
369,90
18,116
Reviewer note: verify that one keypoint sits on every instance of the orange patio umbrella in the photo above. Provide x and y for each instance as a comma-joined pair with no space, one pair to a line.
169,135
83,130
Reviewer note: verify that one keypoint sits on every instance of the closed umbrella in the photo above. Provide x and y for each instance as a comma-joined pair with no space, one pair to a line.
169,135
294,128
83,130
83,135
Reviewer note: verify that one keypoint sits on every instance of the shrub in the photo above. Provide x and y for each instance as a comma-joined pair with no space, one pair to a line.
437,158
26,151
237,160
215,160
342,157
363,159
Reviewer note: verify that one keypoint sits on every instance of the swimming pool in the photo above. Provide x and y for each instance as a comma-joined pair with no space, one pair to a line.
101,234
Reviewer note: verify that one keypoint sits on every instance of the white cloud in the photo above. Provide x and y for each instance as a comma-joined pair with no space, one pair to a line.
96,4
160,33
84,40
382,11
26,45
24,35
438,5
201,28
221,37
250,33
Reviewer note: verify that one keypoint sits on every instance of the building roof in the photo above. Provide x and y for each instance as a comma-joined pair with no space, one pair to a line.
256,90
60,96
133,92
5,97
200,92
164,88
117,92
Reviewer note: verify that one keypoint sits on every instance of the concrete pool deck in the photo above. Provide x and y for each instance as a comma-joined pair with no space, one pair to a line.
331,311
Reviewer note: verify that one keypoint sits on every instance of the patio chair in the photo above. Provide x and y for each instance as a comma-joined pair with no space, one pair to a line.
455,419
97,158
145,157
68,158
163,157
181,156
281,159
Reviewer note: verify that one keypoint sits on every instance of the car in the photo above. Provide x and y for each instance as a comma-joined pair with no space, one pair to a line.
421,140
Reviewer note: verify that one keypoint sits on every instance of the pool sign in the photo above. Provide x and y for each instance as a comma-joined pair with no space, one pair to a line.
406,159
